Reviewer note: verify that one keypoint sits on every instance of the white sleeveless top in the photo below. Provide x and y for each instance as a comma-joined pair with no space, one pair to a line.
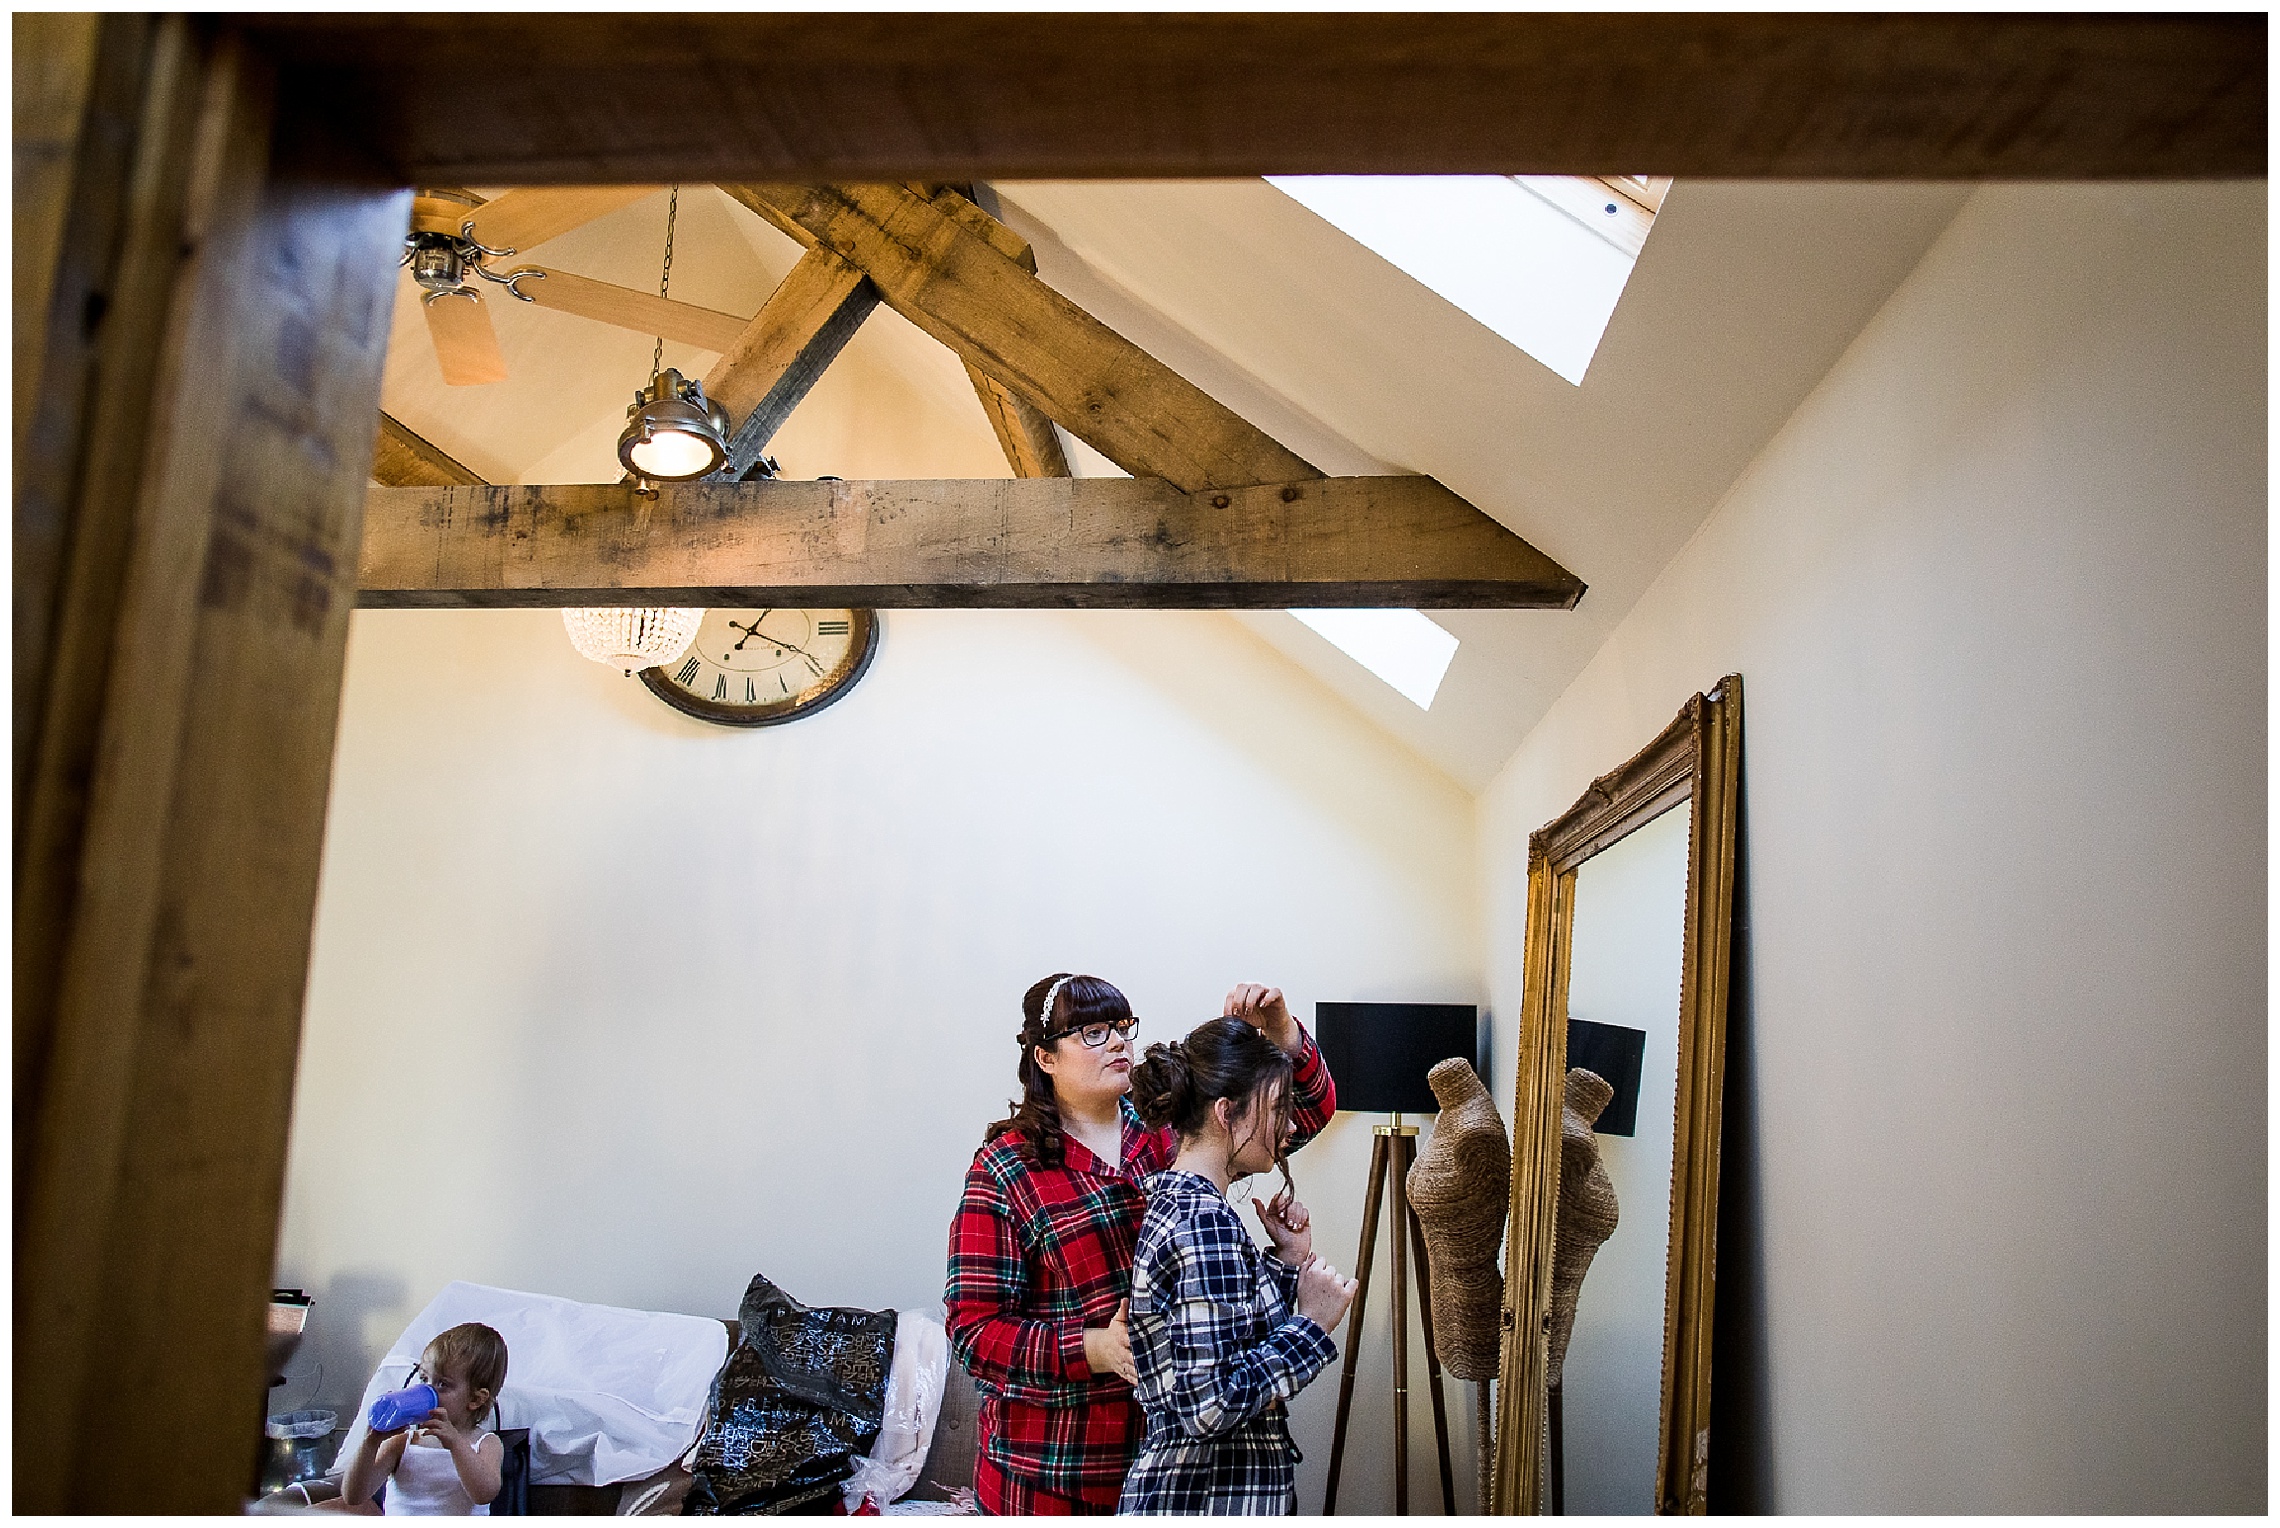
426,1484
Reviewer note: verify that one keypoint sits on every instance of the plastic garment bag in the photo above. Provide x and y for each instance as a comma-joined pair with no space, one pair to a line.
914,1402
608,1394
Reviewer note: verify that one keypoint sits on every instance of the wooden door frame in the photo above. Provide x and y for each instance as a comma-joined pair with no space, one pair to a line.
206,224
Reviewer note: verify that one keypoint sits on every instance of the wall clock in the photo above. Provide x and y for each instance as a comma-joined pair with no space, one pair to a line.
754,668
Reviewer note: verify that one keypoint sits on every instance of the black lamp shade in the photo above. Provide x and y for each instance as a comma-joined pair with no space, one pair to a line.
1379,1053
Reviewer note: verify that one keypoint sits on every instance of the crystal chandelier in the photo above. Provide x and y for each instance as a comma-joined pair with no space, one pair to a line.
632,637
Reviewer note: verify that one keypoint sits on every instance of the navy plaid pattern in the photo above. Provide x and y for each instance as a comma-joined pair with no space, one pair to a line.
1220,1346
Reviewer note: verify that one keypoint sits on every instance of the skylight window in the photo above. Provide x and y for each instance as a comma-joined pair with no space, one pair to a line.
1538,259
1406,648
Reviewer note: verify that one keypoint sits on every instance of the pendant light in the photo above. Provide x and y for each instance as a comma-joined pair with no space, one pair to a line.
631,637
672,434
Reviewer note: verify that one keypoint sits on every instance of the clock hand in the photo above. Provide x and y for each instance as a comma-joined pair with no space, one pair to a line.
777,642
754,631
805,656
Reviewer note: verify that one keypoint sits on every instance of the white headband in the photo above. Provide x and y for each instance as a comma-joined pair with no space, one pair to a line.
1045,1013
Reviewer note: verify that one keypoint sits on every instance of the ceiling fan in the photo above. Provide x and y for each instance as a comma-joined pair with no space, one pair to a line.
455,238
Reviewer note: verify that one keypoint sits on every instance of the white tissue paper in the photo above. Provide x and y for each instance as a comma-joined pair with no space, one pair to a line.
914,1400
608,1394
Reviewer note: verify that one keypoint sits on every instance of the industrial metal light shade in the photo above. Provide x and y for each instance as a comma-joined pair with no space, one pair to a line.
673,433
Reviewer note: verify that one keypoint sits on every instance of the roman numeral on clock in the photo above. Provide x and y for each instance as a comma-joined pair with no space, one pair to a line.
750,694
687,671
720,687
831,628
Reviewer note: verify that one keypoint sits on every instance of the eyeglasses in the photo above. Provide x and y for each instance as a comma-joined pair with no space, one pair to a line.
1096,1035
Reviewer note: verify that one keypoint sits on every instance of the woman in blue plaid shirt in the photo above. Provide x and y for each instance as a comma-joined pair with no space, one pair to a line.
1222,1334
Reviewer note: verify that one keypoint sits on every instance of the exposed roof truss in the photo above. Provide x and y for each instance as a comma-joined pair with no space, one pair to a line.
1198,529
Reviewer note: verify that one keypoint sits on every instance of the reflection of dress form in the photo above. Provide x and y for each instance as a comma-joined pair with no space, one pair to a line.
1460,1189
1587,1216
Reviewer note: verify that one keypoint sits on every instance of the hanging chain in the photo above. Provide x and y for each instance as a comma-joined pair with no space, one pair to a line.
665,278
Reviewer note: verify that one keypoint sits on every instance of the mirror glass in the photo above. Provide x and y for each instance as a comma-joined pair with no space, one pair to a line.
1623,978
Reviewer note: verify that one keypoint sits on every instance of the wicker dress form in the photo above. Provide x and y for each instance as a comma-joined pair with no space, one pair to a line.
1461,1189
1587,1211
1587,1216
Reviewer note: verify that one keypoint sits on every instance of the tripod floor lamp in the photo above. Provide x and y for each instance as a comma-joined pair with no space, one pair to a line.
1378,1054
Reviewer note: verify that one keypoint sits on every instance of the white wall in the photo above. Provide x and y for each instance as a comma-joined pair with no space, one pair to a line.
1995,1230
613,1005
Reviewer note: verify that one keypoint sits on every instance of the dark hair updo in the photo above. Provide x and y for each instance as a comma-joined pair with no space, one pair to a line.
1177,1084
1036,1116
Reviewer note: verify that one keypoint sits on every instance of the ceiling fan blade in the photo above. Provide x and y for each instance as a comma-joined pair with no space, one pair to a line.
435,212
642,312
523,218
466,346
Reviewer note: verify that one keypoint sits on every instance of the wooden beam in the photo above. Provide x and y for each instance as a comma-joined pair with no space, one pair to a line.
1026,436
1062,543
153,1118
769,367
75,505
404,459
1024,433
959,287
528,99
59,93
960,207
80,87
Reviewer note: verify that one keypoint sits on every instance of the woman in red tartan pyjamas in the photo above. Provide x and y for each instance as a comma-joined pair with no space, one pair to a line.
1041,1249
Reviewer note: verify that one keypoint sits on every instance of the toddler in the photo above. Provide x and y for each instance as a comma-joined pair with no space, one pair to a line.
447,1463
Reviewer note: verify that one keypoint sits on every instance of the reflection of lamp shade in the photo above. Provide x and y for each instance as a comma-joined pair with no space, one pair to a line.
1379,1053
1616,1055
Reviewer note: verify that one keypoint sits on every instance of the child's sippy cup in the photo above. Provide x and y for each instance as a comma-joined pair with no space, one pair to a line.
401,1408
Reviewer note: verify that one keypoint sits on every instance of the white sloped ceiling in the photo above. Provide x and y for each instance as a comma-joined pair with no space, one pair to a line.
1743,297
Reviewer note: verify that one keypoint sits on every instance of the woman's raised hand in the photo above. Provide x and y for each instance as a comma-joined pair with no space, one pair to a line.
1289,1227
1264,1010
1322,1295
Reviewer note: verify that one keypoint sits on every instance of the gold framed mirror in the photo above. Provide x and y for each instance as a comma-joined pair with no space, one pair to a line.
1652,943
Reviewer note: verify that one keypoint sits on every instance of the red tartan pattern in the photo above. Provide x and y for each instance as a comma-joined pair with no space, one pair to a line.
1002,1495
1037,1254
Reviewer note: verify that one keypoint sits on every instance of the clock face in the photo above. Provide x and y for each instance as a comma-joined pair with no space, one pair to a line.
752,668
